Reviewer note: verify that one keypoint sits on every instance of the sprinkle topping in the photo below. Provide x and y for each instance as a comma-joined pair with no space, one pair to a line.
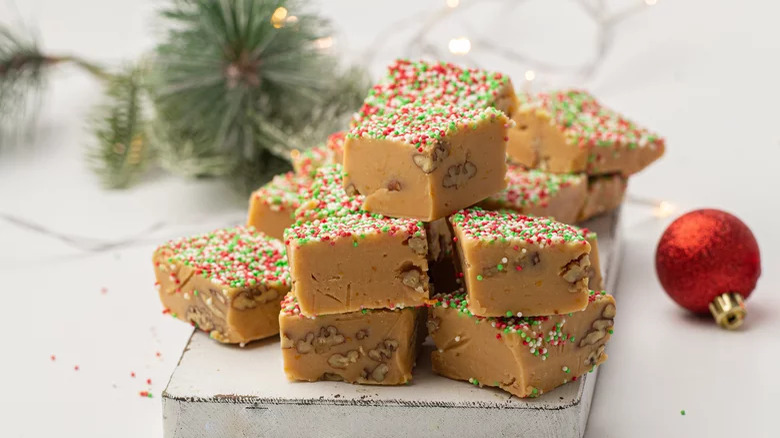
530,188
283,191
501,226
231,257
421,124
308,161
290,307
326,196
354,227
437,82
587,124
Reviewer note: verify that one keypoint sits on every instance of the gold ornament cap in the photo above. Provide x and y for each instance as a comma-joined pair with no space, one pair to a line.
728,310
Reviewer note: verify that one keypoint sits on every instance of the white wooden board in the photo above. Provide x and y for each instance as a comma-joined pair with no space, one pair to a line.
228,391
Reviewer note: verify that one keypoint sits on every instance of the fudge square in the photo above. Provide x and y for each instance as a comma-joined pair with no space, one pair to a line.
308,161
326,196
570,131
595,278
359,261
524,356
566,197
427,161
519,265
438,82
272,207
228,283
605,193
538,193
377,347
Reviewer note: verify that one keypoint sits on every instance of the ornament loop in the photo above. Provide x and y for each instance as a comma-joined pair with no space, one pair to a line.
728,310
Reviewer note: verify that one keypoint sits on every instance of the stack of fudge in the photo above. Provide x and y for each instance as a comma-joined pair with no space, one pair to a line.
433,212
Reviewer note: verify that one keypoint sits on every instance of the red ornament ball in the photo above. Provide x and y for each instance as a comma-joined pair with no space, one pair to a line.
706,253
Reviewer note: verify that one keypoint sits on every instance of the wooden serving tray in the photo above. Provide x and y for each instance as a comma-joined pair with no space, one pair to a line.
227,391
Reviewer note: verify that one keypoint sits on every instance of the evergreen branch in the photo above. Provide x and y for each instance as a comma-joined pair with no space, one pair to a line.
23,69
235,90
122,149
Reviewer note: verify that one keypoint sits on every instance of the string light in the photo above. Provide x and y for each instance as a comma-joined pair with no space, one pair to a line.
419,46
664,209
323,43
661,209
279,17
460,46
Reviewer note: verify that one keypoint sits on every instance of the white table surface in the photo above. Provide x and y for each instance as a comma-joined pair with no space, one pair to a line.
703,73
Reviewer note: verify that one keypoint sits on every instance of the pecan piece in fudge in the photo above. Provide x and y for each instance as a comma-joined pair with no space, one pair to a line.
524,356
426,161
228,283
570,131
515,264
375,347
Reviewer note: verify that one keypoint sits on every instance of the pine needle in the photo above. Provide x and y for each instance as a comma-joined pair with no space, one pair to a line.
122,151
23,72
21,76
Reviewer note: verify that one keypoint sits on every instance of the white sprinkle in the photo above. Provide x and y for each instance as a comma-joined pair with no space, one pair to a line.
519,314
186,296
565,368
209,301
524,251
242,344
457,338
504,260
441,351
533,350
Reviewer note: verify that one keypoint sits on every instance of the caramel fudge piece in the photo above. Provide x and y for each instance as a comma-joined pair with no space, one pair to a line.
437,82
228,283
326,197
523,356
376,347
520,265
566,197
359,261
605,193
272,207
426,161
538,193
308,161
569,131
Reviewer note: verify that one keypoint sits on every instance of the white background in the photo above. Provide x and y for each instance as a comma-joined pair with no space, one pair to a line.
703,73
